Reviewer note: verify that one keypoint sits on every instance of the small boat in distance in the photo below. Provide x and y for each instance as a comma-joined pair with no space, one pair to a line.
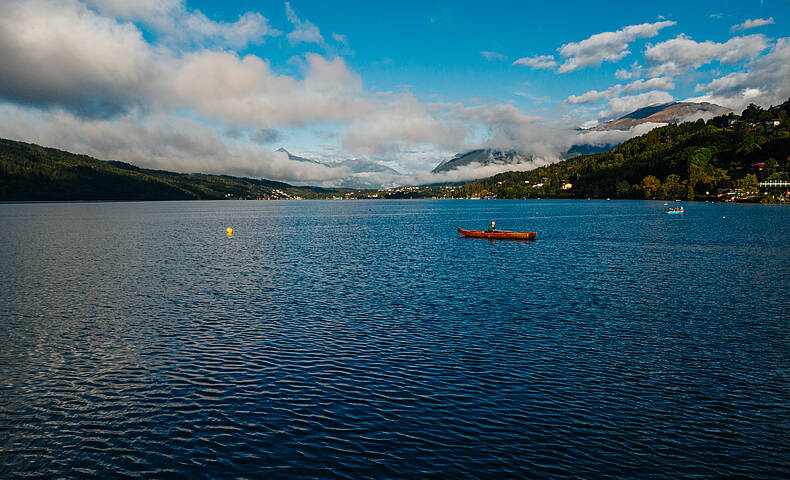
675,210
498,234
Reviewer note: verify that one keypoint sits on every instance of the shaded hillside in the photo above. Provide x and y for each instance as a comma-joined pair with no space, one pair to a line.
687,161
30,172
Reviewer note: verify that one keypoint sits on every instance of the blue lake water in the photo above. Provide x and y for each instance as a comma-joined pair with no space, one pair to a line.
366,339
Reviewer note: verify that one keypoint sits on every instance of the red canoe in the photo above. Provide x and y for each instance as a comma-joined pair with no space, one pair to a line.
502,234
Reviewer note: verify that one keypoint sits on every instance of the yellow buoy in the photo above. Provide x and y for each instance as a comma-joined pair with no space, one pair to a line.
723,217
229,230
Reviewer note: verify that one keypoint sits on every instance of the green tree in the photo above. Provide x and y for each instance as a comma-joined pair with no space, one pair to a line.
672,188
651,186
771,166
751,113
748,185
703,176
622,188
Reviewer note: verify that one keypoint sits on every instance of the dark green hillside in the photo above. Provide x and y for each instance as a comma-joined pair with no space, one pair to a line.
29,172
687,161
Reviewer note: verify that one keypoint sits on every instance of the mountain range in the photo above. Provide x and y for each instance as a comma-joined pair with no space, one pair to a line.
686,160
364,173
664,113
31,172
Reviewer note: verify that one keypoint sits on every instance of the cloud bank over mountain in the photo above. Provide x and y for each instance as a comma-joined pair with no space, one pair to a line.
162,84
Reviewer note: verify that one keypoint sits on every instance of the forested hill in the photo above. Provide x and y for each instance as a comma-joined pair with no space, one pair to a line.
682,161
29,172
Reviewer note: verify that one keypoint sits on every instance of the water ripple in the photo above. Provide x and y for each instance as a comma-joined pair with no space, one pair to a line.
365,339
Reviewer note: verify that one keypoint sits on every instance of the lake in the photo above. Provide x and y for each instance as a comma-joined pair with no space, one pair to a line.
366,339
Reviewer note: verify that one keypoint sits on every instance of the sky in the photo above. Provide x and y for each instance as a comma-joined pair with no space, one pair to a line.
219,87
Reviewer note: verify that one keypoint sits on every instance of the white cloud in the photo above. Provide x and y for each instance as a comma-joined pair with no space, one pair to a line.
249,28
304,31
265,136
63,53
122,98
401,123
589,124
606,46
66,56
341,39
159,142
537,62
757,22
70,56
627,104
543,143
474,171
764,82
173,22
246,91
613,137
509,129
681,54
494,56
625,74
139,9
86,79
656,83
594,96
495,114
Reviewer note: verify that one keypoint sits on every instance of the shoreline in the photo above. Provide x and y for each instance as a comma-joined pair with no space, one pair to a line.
744,202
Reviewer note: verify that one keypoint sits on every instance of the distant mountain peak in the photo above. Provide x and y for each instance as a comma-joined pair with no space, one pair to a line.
295,158
360,165
482,157
363,173
672,112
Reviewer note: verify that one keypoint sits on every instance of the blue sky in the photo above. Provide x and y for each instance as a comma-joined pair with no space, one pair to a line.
219,86
434,48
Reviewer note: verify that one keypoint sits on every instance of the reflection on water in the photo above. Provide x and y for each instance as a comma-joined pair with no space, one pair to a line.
366,339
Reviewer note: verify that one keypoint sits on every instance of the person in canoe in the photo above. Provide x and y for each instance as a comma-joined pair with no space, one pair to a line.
491,227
